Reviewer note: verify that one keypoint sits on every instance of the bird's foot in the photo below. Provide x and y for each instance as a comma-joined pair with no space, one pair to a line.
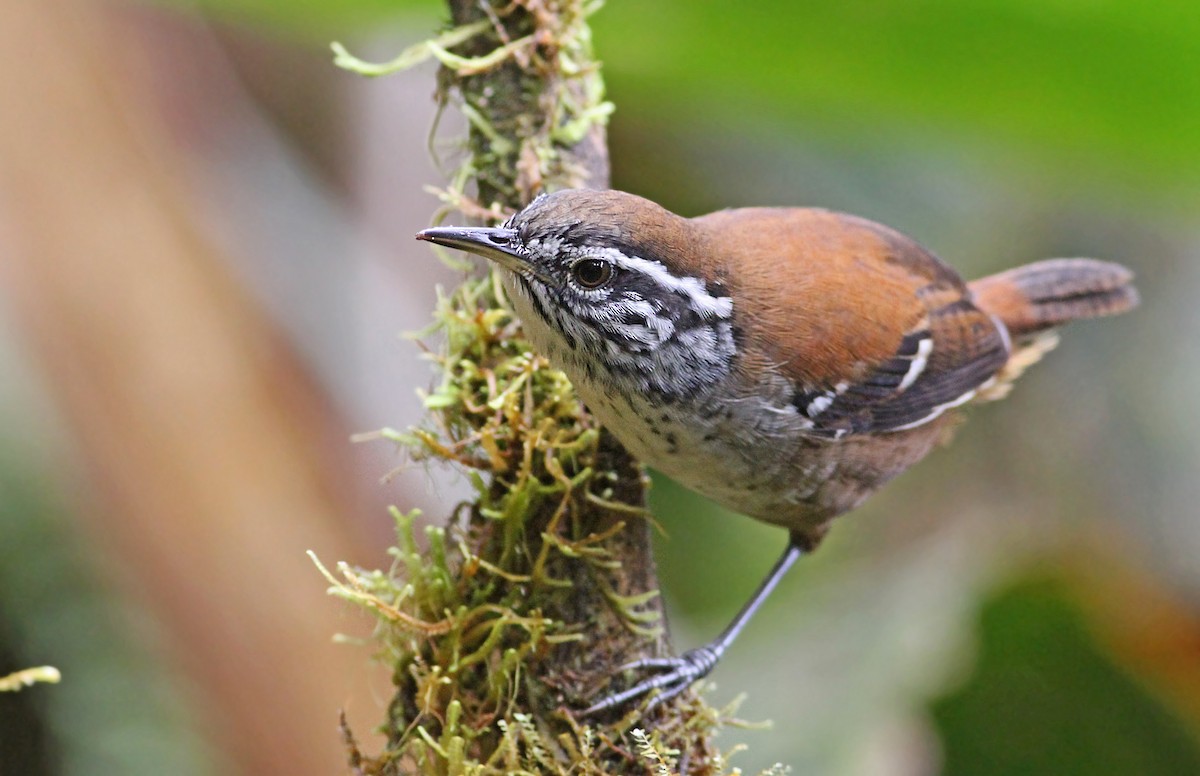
678,673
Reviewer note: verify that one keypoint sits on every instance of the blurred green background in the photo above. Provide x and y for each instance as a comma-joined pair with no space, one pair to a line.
206,254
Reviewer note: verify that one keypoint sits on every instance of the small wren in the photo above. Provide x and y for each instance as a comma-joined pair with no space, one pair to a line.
784,362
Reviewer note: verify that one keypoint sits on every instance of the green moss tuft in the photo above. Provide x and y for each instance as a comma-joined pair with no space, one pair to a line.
516,611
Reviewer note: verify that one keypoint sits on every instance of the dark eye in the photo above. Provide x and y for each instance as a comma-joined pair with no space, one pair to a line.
591,273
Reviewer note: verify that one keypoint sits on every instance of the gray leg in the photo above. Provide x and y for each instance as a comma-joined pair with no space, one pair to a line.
680,672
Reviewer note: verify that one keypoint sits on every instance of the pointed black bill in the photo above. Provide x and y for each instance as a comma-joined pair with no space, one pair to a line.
491,242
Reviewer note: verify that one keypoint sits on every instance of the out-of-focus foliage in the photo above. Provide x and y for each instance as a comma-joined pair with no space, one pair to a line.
995,131
1069,85
115,710
1045,698
309,19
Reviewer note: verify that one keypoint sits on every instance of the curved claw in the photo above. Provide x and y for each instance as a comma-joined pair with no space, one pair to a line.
681,673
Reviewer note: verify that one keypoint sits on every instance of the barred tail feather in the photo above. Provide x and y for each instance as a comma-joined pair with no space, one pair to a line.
1046,294
1031,301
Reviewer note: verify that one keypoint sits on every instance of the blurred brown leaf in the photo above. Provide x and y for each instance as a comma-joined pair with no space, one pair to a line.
213,457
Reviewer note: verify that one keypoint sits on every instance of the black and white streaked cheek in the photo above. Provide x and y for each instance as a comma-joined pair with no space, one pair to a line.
626,320
653,334
544,245
541,318
707,351
706,305
671,350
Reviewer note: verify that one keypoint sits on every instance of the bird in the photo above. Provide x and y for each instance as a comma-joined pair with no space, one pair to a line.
785,362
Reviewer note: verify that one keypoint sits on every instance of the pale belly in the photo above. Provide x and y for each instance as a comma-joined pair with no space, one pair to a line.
716,453
744,447
755,462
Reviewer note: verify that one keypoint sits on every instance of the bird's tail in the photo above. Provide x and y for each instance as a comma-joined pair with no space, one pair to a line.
1034,299
1046,294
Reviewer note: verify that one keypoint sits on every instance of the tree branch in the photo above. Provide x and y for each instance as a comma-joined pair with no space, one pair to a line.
525,606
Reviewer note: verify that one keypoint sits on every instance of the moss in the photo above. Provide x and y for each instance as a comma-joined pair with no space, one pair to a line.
28,677
466,614
522,605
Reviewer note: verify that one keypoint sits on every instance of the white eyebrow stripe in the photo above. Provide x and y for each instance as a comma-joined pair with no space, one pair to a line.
694,289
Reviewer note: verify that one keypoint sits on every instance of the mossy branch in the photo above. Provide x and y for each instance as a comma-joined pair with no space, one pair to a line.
523,606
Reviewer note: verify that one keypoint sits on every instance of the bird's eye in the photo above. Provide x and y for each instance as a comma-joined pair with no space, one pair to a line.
591,273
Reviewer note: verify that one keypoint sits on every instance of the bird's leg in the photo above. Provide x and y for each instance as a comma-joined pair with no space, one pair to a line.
680,672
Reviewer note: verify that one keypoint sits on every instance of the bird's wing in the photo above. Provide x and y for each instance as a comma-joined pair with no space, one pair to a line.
878,333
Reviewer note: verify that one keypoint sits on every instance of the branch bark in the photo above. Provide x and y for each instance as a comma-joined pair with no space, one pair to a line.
524,101
525,609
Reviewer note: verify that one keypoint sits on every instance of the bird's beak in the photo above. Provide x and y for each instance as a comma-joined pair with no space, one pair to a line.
491,242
